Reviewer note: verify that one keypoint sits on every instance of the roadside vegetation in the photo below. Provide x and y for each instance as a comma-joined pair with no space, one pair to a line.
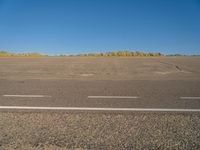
96,54
11,54
123,53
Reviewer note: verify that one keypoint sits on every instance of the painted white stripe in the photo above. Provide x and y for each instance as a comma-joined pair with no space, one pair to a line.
100,109
114,97
27,96
190,98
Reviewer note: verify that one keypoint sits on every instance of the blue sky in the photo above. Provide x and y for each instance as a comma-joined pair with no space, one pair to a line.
76,26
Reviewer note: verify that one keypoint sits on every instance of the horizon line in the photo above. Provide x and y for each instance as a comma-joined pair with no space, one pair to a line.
106,51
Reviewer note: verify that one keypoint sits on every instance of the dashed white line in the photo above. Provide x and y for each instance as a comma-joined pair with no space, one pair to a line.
190,98
27,96
113,97
100,109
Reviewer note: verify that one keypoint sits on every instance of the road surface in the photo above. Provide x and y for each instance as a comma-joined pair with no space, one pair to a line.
103,96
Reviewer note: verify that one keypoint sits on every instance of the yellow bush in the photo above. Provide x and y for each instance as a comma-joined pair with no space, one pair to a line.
121,53
32,54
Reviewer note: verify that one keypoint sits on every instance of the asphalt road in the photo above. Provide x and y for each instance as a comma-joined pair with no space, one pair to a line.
100,103
101,94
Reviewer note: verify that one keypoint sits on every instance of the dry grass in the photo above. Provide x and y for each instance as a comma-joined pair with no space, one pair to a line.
124,53
121,53
11,54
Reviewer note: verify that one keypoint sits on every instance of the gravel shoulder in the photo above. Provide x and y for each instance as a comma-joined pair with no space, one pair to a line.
84,130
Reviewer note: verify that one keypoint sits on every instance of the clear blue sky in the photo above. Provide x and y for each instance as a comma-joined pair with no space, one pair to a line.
75,26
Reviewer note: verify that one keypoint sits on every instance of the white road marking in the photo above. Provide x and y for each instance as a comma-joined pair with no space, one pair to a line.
190,98
100,109
114,97
27,96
